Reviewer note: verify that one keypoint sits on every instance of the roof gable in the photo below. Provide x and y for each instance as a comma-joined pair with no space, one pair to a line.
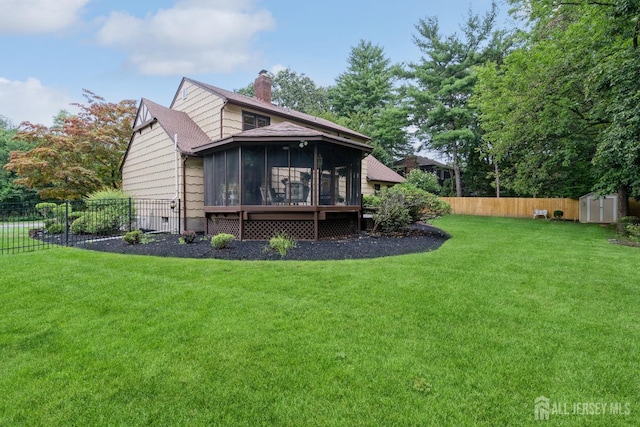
173,122
266,107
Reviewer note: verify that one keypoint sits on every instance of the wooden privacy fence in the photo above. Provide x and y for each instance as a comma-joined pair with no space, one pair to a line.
513,206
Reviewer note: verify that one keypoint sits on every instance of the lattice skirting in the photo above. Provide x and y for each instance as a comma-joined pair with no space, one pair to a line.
298,229
223,225
264,230
337,227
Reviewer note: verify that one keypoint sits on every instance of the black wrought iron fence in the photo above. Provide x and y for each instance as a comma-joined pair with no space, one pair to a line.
33,226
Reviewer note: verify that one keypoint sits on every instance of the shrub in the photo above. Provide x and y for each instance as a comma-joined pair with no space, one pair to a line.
79,226
370,201
392,215
435,207
633,231
423,180
60,211
403,204
108,211
56,227
222,240
282,243
133,237
625,221
46,209
187,236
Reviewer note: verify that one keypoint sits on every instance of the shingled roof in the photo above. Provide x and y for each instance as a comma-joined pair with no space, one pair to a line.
176,122
377,171
173,122
286,113
285,131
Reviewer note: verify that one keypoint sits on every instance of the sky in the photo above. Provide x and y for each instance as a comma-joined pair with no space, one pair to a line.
123,49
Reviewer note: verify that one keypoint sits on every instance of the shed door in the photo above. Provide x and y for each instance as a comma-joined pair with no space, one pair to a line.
608,210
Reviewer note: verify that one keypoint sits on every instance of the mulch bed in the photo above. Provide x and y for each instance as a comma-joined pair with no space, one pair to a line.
421,237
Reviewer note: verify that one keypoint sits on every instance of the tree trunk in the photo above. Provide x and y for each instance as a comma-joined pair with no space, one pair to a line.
623,205
497,171
456,172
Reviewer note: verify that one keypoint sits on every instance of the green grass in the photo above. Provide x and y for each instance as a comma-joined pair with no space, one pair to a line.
506,311
14,238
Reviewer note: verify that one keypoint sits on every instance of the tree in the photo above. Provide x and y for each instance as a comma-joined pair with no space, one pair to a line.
561,113
423,180
78,155
9,191
441,85
295,91
536,125
365,99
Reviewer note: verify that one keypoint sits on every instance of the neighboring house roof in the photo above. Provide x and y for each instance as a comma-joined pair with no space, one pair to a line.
377,171
285,131
422,161
286,113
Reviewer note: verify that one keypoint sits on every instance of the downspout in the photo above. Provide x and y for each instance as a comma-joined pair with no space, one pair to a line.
184,192
175,141
176,155
224,104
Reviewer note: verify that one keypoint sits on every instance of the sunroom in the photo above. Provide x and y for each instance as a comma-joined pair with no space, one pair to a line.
283,178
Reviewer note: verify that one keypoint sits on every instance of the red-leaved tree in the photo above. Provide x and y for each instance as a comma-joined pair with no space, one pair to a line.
79,154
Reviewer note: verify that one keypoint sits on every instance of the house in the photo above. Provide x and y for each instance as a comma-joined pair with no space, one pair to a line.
442,171
378,176
245,166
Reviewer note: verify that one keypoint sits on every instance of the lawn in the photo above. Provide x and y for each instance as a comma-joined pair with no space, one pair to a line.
471,334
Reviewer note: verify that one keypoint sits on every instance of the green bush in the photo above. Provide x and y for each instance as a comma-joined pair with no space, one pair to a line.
423,180
133,237
435,207
187,236
633,232
370,201
46,209
79,226
56,227
60,211
393,214
282,243
222,240
108,211
625,221
403,204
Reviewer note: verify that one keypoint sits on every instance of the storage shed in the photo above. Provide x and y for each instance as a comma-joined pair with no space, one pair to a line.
598,209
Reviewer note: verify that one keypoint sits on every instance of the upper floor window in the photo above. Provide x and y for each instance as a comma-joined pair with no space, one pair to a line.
252,121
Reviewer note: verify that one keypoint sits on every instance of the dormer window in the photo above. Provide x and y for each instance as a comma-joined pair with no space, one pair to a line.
252,121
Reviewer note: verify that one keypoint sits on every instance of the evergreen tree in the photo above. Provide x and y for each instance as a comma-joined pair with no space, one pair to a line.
441,84
365,99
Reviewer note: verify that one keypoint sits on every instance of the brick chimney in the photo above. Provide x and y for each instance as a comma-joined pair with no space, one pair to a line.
262,87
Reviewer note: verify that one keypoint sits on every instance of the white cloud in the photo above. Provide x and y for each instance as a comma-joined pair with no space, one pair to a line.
275,69
195,36
39,16
31,101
